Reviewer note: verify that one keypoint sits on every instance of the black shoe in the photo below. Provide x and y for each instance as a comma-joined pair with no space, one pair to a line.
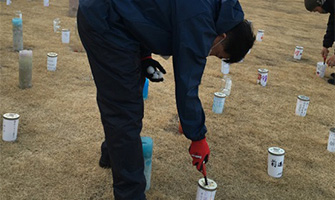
332,75
331,81
104,163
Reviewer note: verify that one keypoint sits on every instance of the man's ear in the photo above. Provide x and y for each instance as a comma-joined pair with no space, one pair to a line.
224,36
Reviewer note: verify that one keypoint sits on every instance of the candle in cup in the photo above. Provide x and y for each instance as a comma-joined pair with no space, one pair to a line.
17,34
25,68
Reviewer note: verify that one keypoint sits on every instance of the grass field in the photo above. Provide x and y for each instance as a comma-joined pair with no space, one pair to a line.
58,146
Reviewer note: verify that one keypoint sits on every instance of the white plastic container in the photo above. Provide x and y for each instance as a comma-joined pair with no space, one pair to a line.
331,140
225,67
206,192
226,84
56,25
10,126
46,2
262,77
298,52
65,36
260,35
52,61
302,105
275,161
218,103
18,14
320,69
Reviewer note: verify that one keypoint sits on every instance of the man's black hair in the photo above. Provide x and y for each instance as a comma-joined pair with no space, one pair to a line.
238,41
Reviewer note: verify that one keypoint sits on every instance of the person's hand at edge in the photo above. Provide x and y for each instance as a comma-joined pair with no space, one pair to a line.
324,52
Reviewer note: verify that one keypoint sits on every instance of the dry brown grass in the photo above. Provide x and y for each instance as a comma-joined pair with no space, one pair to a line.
58,147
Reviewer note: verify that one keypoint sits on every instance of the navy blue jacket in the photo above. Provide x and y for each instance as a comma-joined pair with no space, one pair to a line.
184,29
329,37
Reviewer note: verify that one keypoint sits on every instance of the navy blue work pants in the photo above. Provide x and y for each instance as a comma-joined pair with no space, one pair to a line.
117,75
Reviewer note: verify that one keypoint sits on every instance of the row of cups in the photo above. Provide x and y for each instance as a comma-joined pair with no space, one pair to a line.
45,2
276,156
321,66
275,168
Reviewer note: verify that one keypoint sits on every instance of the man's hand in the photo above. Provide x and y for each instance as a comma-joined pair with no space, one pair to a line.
152,69
331,61
324,52
199,152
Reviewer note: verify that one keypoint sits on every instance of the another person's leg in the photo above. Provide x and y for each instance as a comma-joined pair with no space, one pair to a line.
117,76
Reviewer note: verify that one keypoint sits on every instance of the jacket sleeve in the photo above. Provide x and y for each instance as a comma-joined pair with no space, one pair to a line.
145,52
192,40
328,39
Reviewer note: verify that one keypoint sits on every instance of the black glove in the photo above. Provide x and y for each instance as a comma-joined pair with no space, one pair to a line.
152,69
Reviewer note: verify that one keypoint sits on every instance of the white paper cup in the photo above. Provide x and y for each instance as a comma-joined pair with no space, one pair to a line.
320,69
206,192
331,140
298,52
302,105
218,103
262,77
10,127
275,161
65,36
52,61
260,35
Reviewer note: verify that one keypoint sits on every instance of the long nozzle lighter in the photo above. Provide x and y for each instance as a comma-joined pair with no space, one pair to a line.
206,182
204,172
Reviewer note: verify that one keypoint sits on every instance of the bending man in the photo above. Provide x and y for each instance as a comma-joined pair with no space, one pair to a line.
119,37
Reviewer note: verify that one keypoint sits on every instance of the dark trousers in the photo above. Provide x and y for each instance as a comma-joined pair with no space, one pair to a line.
117,75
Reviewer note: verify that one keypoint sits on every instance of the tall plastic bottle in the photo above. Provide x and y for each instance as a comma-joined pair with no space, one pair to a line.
225,67
17,34
226,84
147,145
25,68
73,7
146,89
